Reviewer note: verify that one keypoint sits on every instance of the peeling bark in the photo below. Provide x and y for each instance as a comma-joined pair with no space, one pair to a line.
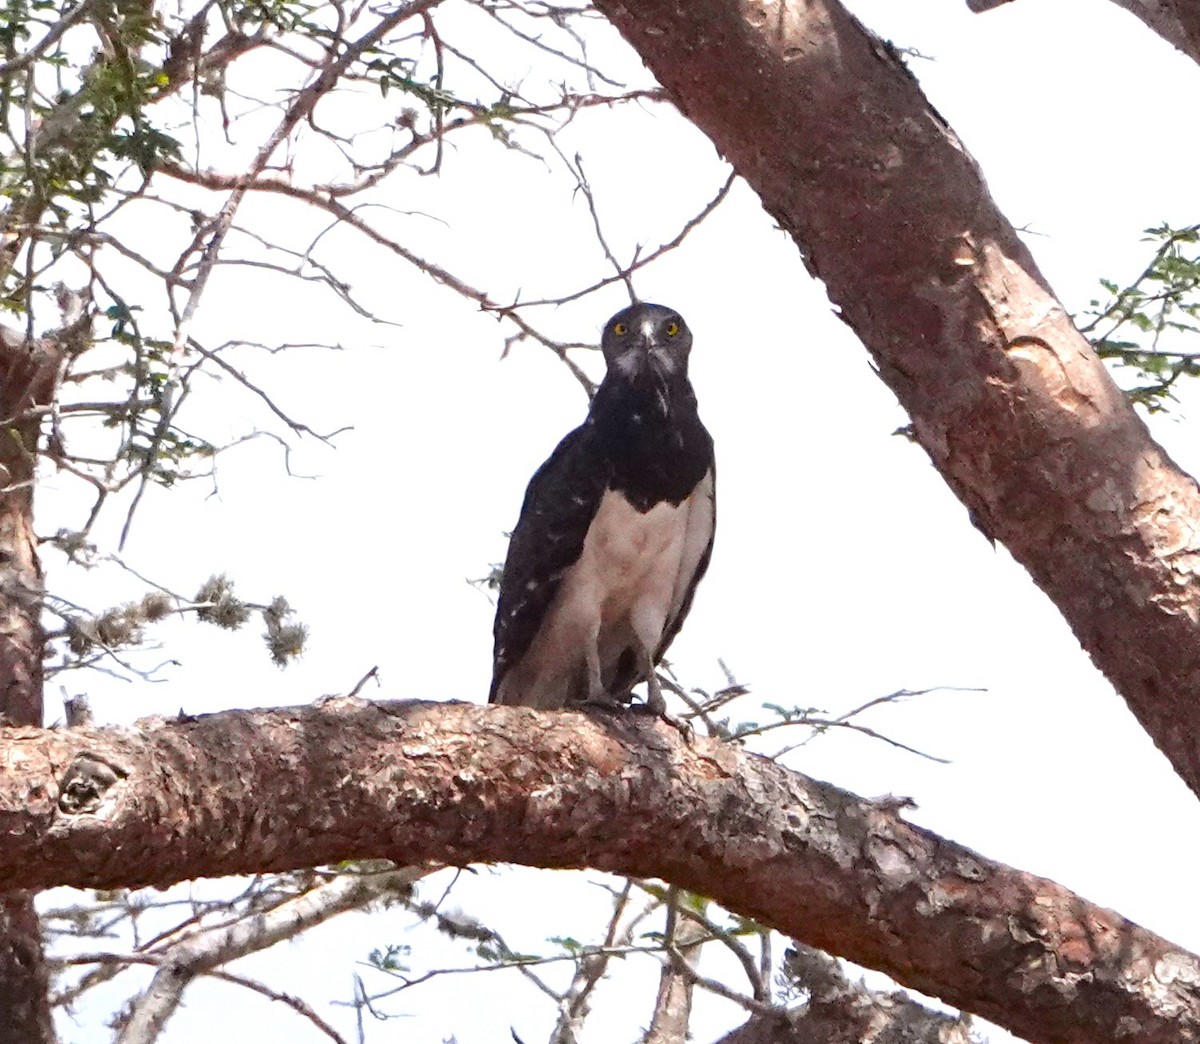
1014,408
256,791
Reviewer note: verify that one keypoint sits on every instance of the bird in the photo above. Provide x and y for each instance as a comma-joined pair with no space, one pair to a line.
614,535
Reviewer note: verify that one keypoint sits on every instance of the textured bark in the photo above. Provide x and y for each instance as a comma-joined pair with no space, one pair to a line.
243,792
27,379
24,979
1015,410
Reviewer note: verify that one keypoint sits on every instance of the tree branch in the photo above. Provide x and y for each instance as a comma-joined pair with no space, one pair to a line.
839,1011
684,939
204,950
244,792
29,371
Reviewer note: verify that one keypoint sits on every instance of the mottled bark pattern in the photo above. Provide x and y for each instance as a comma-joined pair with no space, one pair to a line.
24,981
243,792
1013,407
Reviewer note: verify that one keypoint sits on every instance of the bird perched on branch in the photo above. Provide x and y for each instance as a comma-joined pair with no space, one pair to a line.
615,532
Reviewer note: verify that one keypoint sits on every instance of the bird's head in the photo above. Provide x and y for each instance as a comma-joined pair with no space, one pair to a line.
646,336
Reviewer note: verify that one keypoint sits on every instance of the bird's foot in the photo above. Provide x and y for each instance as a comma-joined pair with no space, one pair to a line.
656,702
602,701
657,706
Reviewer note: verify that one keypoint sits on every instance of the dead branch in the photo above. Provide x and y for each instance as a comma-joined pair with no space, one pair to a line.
204,950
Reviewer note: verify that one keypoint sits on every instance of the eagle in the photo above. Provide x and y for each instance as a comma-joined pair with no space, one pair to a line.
615,532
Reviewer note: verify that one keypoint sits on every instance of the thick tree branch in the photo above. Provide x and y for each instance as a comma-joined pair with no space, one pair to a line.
28,379
1012,405
243,792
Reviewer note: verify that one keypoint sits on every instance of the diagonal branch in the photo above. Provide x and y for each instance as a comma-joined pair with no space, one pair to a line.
838,1011
244,792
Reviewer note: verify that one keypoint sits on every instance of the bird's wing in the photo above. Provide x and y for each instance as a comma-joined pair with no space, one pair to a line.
559,506
697,550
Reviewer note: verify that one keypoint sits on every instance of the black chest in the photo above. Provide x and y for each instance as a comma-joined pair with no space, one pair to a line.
649,433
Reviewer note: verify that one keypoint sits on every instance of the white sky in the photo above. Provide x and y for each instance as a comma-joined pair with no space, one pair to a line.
844,569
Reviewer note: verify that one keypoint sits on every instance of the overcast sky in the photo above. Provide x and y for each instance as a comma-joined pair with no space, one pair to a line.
844,569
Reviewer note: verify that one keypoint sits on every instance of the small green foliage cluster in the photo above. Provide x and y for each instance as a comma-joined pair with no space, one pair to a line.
284,15
152,443
97,114
1145,328
400,72
391,958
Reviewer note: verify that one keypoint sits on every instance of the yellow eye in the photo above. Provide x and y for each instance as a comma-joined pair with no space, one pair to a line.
620,329
672,329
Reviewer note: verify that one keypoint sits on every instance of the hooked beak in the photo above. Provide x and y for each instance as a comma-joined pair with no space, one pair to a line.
646,352
638,353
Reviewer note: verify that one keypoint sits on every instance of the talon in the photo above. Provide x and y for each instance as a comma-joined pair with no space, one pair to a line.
602,701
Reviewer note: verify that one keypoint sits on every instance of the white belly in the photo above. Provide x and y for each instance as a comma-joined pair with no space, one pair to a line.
628,558
628,583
